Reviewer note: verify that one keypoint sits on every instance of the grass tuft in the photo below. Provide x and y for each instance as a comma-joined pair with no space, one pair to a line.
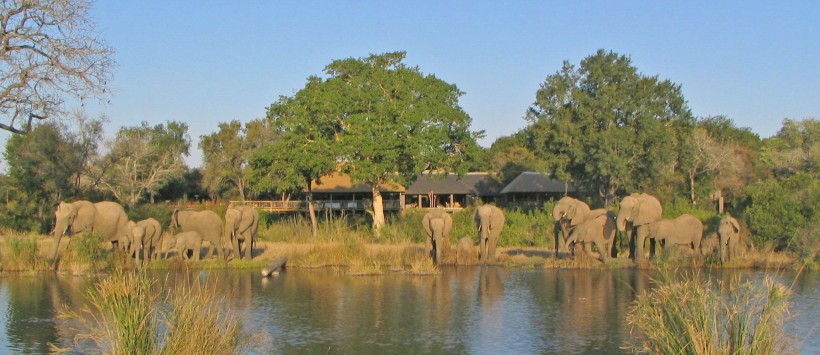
711,317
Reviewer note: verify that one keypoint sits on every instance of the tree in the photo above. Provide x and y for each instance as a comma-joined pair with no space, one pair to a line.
143,159
609,128
307,129
396,122
511,156
42,168
795,148
226,154
49,50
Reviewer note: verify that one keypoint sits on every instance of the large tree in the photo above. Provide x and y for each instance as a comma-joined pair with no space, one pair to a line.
226,153
609,128
396,122
307,129
49,50
143,159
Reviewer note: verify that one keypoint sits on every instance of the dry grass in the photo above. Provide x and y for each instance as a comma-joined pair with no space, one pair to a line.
711,317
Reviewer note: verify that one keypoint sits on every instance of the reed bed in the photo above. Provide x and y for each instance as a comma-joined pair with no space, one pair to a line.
694,315
128,313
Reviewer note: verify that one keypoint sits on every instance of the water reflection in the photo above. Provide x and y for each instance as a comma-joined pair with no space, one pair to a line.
477,310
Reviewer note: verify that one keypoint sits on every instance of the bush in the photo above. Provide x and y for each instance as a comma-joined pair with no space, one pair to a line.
711,318
776,210
23,253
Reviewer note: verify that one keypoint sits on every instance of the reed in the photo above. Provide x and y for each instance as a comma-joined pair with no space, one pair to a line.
423,266
197,324
694,315
23,254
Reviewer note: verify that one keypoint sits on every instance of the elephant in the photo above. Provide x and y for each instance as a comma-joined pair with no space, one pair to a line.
206,223
599,230
490,222
569,213
144,236
686,229
637,211
437,223
729,236
183,242
241,224
108,219
464,251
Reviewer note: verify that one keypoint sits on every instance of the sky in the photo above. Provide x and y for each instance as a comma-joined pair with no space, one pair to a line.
205,62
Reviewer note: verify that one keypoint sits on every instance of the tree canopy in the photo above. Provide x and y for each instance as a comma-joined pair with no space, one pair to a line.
608,128
226,153
49,50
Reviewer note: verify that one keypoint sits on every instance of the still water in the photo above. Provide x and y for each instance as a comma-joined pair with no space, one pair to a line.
472,310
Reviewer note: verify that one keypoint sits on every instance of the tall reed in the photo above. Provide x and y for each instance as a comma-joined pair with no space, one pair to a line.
694,315
22,253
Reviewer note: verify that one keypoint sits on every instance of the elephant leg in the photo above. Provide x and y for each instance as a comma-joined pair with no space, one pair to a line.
235,245
482,250
438,248
602,249
491,249
428,247
640,239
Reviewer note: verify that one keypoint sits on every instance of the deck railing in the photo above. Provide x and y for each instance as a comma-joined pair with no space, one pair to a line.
319,205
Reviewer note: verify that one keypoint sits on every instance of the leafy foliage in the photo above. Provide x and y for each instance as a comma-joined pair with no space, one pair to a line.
608,128
776,210
226,153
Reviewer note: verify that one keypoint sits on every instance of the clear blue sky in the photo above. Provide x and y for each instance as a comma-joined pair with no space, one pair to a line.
204,62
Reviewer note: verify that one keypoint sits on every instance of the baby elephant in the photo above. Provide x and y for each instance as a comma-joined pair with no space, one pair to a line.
464,251
183,242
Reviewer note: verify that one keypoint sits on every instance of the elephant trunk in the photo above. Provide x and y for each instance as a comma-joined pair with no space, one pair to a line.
621,221
59,231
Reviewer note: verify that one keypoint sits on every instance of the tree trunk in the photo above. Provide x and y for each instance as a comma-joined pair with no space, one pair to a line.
378,208
314,224
240,185
692,187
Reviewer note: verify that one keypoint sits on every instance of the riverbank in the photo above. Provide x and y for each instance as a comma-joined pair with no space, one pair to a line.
27,253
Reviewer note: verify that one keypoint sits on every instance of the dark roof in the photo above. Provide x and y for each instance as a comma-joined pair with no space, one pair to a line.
478,184
534,182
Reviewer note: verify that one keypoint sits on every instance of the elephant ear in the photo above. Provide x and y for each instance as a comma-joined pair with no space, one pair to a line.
580,210
426,223
649,210
448,226
734,224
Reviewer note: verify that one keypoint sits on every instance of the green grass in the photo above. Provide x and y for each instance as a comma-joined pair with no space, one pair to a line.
23,254
711,317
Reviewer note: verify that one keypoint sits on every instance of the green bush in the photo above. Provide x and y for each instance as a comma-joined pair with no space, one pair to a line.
775,210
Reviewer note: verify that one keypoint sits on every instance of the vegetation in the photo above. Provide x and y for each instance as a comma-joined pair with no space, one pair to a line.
711,317
126,314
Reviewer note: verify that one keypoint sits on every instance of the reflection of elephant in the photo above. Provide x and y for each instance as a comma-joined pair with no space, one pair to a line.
729,234
637,211
684,230
570,213
464,251
599,230
490,221
241,224
183,242
206,223
108,219
437,223
144,237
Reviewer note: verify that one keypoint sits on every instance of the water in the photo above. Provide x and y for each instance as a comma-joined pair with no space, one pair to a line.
470,310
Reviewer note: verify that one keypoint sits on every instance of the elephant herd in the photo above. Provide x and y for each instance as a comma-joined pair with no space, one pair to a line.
144,239
639,218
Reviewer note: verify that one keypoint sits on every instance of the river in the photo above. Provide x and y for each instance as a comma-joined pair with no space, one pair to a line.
469,310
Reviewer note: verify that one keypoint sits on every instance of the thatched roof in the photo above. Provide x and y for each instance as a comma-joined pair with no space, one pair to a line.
340,183
478,184
534,182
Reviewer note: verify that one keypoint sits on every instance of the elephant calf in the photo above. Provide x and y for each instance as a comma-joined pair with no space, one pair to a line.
183,242
464,251
684,230
600,231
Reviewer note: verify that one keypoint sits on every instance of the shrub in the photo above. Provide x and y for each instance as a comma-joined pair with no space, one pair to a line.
711,318
776,210
23,253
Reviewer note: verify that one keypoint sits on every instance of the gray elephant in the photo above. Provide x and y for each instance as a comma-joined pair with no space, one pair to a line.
241,224
637,211
108,219
729,236
437,223
464,251
184,242
569,213
144,238
686,229
598,230
206,223
490,222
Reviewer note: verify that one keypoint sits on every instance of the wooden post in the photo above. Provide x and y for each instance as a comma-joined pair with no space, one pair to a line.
275,267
